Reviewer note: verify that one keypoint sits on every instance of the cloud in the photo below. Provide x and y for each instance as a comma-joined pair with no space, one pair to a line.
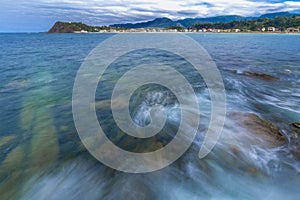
169,8
100,12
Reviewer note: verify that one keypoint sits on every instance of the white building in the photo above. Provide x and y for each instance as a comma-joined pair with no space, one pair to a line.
271,29
292,30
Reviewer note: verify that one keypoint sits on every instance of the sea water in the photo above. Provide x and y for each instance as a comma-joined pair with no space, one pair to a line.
42,157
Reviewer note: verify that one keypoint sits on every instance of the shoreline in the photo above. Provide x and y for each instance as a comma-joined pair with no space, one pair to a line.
256,33
165,32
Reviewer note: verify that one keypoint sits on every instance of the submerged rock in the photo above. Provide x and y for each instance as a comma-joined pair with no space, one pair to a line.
246,144
106,104
10,173
262,132
6,140
14,85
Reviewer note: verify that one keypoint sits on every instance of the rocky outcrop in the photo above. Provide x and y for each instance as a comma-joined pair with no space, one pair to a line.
61,27
69,27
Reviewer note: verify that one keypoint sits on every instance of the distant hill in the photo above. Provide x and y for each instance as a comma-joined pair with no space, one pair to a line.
156,23
185,23
278,14
229,18
282,24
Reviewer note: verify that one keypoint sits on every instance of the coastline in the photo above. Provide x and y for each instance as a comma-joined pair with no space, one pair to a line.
166,32
159,32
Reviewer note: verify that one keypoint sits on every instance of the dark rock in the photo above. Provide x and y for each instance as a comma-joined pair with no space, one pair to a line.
296,125
254,74
261,76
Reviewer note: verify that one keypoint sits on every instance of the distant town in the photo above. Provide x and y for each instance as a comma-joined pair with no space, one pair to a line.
203,30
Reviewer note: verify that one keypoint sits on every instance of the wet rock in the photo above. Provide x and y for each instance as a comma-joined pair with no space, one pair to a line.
245,139
296,128
262,132
294,139
261,76
296,125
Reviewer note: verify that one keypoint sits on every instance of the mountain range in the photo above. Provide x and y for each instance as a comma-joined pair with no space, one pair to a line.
185,23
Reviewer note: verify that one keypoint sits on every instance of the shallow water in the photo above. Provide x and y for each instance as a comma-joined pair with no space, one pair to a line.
42,156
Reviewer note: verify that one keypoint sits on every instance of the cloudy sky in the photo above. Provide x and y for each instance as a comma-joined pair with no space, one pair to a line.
39,15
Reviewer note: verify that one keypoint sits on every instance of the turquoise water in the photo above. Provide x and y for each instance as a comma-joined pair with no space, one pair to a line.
41,154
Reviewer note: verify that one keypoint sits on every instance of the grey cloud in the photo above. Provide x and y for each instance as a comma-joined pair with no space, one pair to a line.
188,13
153,10
207,4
